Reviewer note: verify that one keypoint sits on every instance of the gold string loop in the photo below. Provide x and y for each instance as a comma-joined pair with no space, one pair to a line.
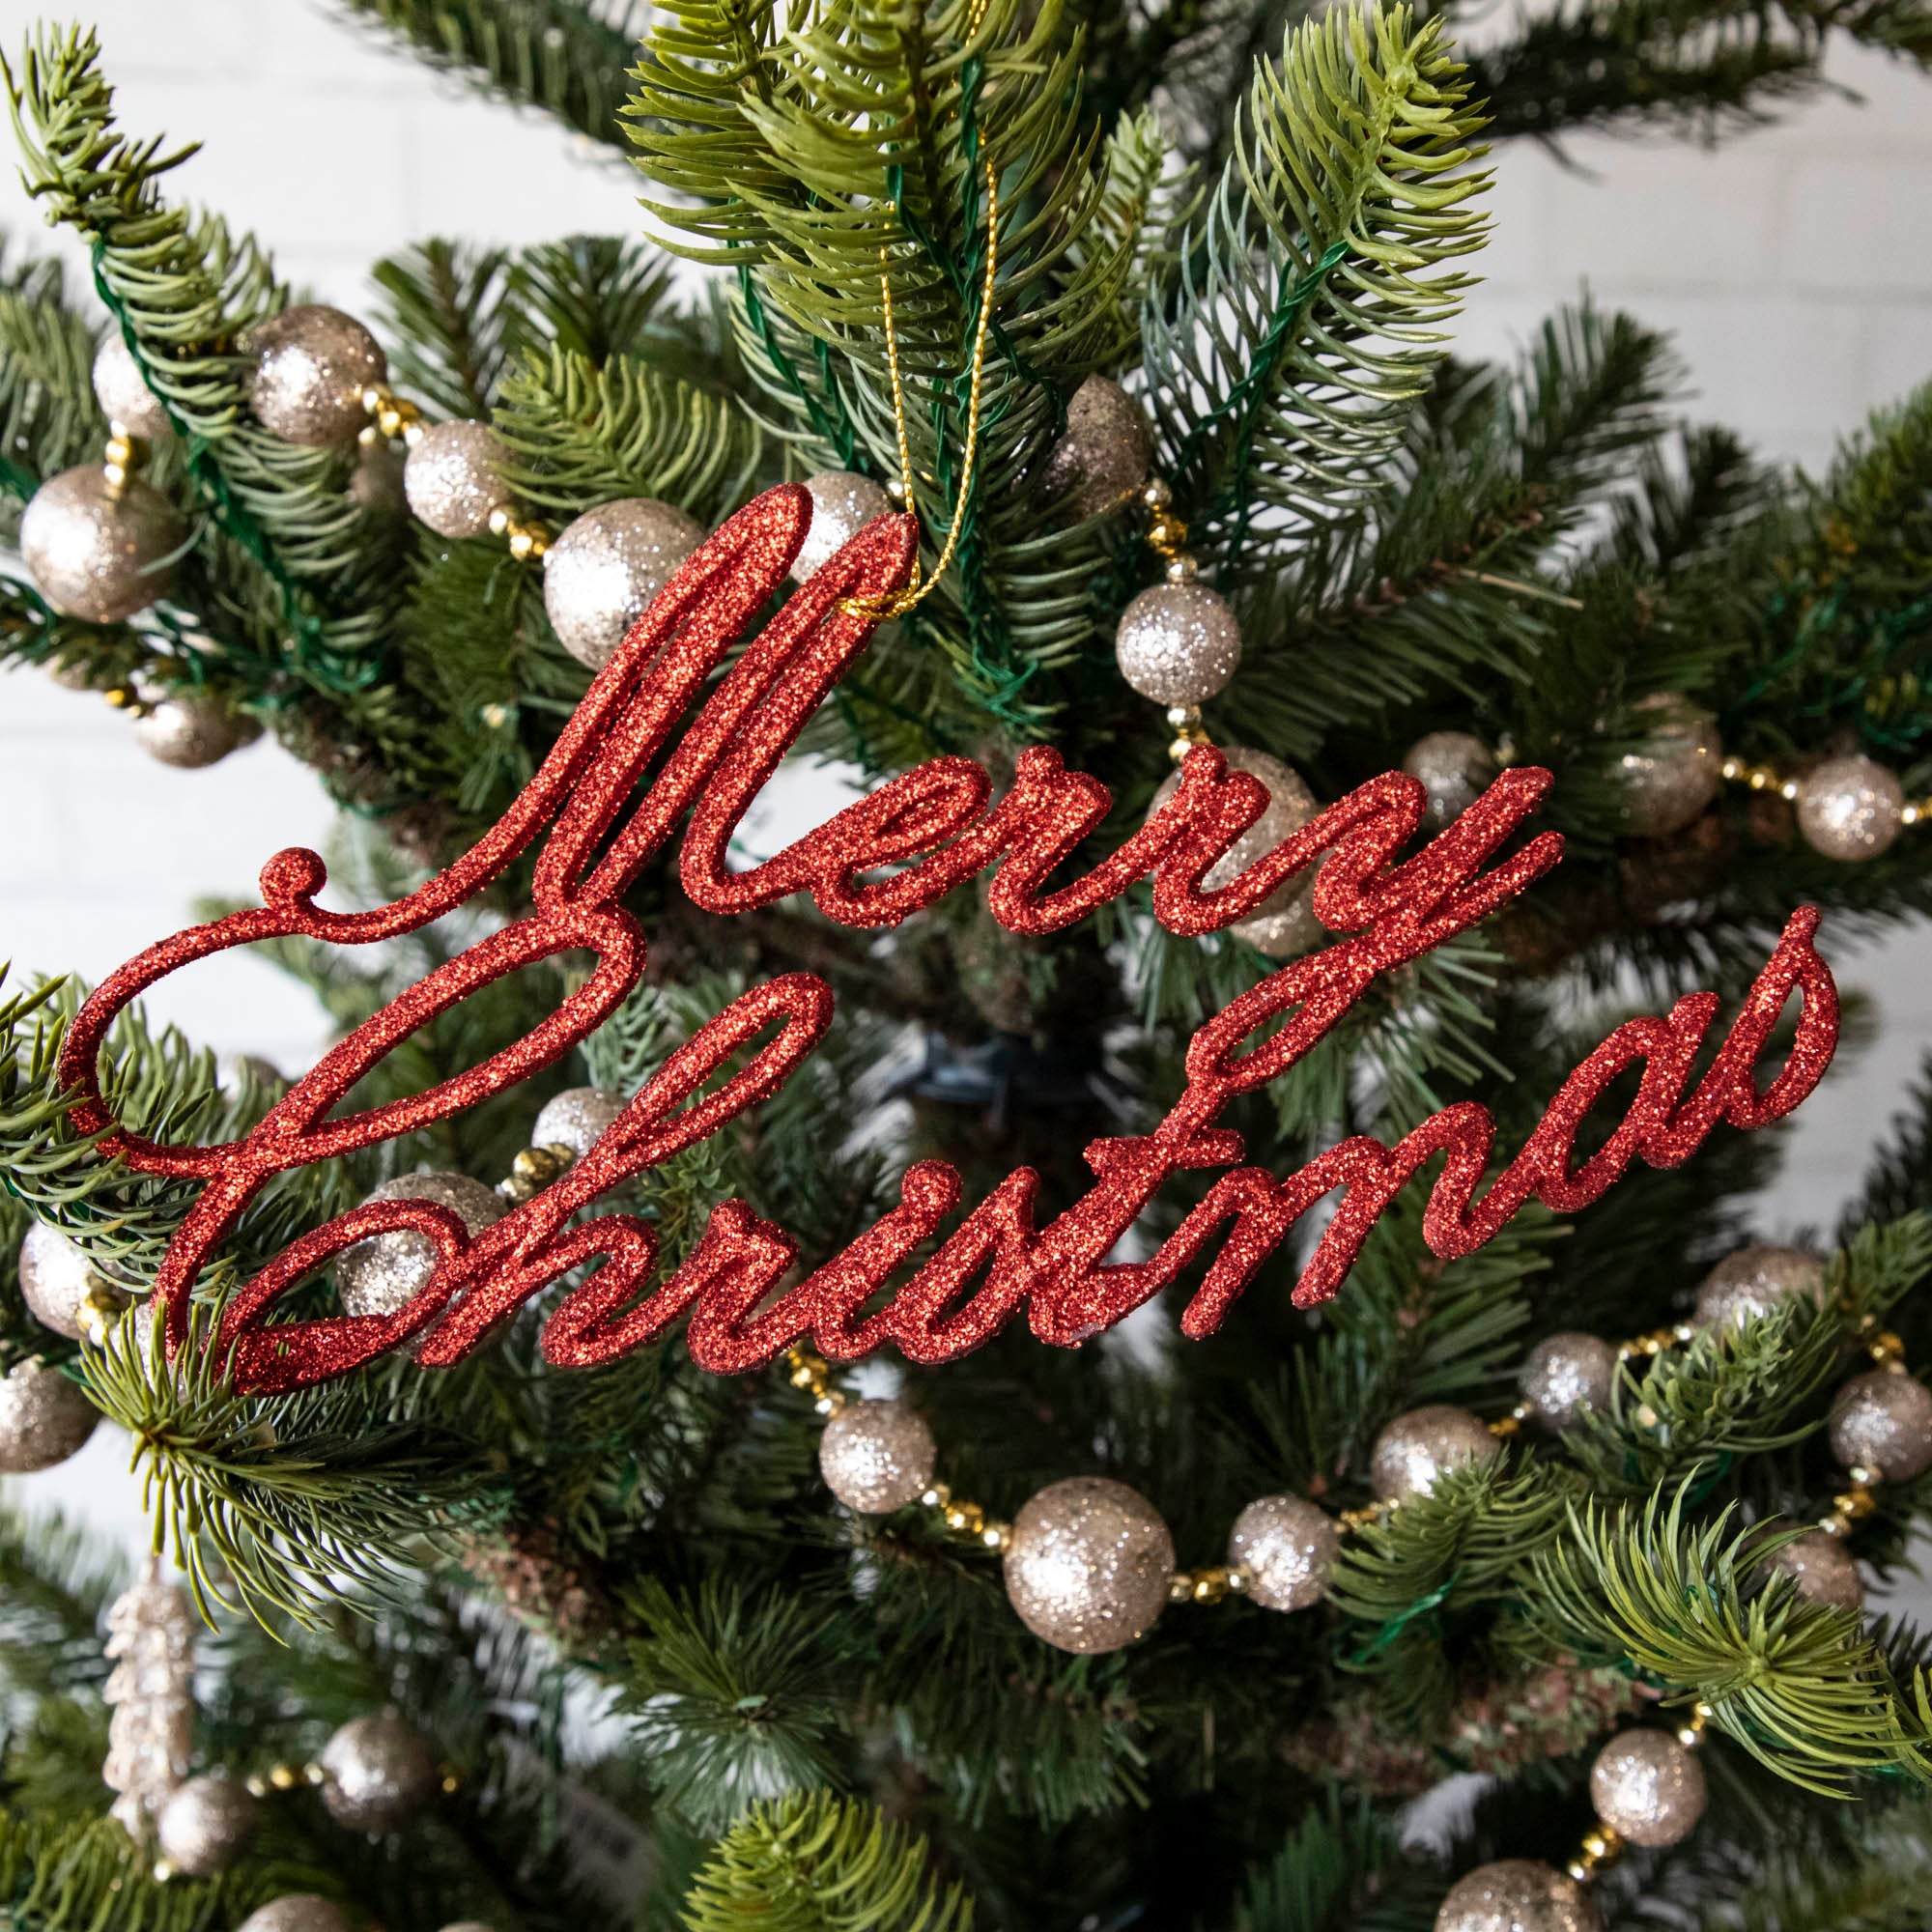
896,604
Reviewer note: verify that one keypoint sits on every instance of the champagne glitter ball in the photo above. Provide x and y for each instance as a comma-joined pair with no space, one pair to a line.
1177,643
574,1119
1824,1570
1850,808
1648,1788
1089,1564
454,477
1417,1448
606,566
297,1912
44,1417
188,728
1288,1546
94,554
1517,1896
1455,770
1750,1284
1104,456
206,1826
375,483
384,1273
842,503
1882,1422
1565,1375
1284,924
877,1457
312,365
125,398
58,1282
1677,774
378,1773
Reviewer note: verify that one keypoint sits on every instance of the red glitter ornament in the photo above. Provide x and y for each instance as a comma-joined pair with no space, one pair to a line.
934,824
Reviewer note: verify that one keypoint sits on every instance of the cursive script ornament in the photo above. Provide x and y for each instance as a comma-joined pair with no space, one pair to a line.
936,825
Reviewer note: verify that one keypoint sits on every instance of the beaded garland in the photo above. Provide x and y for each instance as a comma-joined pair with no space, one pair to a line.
933,824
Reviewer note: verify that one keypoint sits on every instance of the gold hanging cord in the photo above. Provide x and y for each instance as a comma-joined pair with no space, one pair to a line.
897,602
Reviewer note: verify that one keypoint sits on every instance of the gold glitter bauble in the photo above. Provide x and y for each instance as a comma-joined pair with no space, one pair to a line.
454,477
1106,452
602,573
1517,1896
97,554
574,1119
1882,1422
1177,643
375,483
1089,1564
1850,808
206,1826
125,398
44,1417
384,1274
297,1912
1823,1569
877,1457
1677,774
1648,1788
1567,1374
842,503
1455,770
312,363
1284,924
188,728
1287,1548
1750,1284
59,1284
378,1773
1417,1448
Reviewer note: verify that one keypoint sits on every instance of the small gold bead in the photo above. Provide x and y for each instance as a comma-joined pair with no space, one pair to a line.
1578,1870
313,1774
1179,715
499,520
1506,1426
256,1785
164,1871
830,1403
1887,1350
997,1535
1166,533
1183,569
374,397
1180,1587
1733,768
1155,493
1788,789
937,1496
285,1776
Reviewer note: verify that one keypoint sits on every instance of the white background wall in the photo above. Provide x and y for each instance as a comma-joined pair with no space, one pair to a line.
1795,265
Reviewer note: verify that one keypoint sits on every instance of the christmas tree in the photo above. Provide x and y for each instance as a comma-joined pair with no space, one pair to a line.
646,1422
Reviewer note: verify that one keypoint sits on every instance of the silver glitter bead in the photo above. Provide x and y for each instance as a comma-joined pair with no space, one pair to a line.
1750,1284
1455,770
312,365
842,503
384,1274
602,573
1565,1375
1417,1448
1287,1548
1103,457
375,483
454,477
1089,1564
576,1118
877,1457
1284,924
1648,1788
125,398
206,1826
44,1417
297,1912
376,1773
1882,1422
1677,774
188,728
1177,643
58,1283
1850,808
97,554
1823,1569
1517,1896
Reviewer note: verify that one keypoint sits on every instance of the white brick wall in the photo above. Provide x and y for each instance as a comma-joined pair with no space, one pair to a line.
1795,263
